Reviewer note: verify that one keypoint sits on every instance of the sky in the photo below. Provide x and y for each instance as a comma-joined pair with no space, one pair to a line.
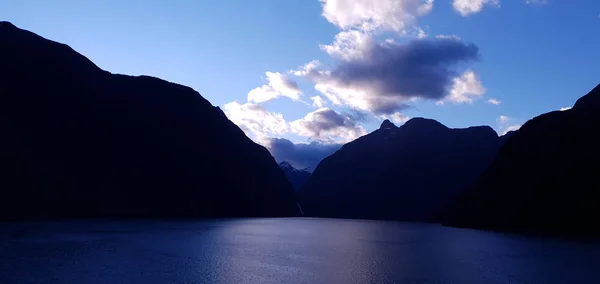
303,77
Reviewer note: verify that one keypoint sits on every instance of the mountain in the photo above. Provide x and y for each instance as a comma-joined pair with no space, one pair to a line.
412,172
297,177
544,179
507,135
78,141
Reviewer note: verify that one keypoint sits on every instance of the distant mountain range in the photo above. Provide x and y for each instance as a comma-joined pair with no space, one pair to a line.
297,177
78,141
411,173
544,180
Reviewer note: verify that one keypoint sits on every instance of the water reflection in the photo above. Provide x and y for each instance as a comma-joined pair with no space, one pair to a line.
302,250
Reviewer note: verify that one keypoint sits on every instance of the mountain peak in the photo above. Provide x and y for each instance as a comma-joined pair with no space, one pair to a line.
286,165
296,176
7,25
591,100
18,43
46,81
421,122
387,124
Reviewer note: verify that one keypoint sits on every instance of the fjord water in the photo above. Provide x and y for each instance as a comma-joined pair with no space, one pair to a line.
292,250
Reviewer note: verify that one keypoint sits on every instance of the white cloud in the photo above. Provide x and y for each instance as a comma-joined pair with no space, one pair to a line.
318,101
467,7
323,125
279,85
396,117
368,74
511,128
421,33
367,15
381,77
465,88
450,36
356,97
327,125
262,94
255,119
349,45
507,124
425,8
307,68
300,155
350,84
565,108
494,101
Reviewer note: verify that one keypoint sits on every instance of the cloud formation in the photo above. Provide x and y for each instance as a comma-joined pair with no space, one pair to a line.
329,126
369,76
449,36
318,101
349,45
299,155
468,7
511,128
255,119
278,85
494,101
396,117
364,15
465,88
565,108
323,125
381,77
507,124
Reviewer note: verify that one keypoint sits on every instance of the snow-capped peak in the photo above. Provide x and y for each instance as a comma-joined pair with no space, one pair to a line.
286,165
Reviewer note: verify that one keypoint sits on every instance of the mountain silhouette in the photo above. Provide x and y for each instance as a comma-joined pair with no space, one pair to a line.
412,172
297,177
544,180
78,141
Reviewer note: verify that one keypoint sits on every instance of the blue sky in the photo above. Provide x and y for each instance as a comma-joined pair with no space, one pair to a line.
447,59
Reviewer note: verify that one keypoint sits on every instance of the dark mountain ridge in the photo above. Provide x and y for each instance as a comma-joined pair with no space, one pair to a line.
411,173
544,179
296,176
79,141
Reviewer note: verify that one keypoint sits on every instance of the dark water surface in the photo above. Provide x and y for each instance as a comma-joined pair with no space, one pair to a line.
296,250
